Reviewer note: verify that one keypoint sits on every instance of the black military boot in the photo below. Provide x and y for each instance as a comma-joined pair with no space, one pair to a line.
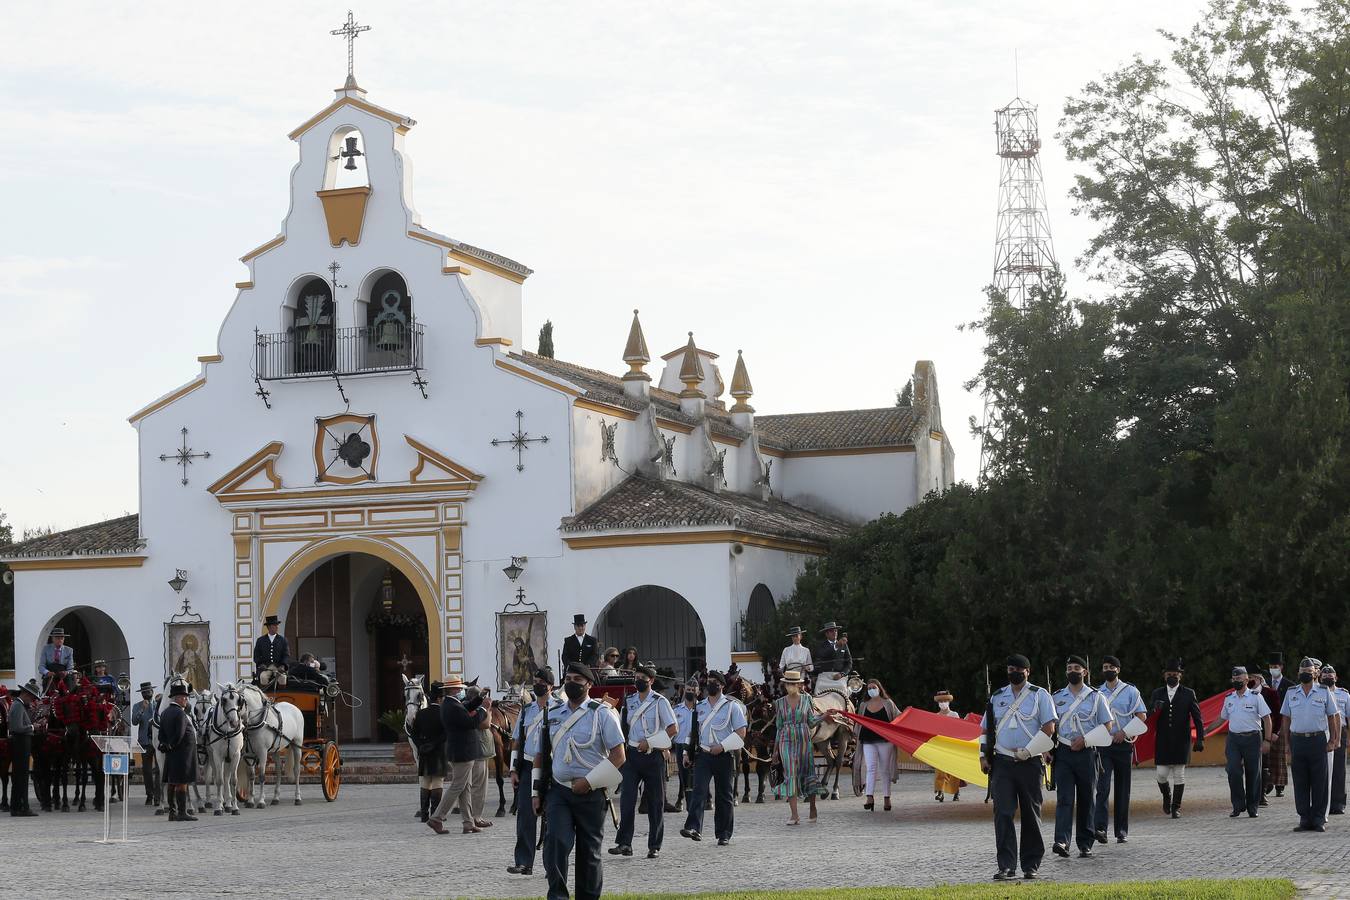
1176,801
184,810
424,797
173,805
1167,797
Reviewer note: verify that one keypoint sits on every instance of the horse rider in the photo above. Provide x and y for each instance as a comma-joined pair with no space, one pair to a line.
57,658
1017,714
20,747
832,654
143,717
580,646
527,743
721,730
1125,702
651,726
270,650
178,743
586,755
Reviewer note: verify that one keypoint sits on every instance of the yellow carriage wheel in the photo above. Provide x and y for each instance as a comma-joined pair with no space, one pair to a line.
332,771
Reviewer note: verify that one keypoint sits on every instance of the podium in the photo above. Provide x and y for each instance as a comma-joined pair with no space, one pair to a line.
116,752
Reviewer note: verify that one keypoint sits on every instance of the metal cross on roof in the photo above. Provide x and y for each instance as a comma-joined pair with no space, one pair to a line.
520,441
350,31
184,456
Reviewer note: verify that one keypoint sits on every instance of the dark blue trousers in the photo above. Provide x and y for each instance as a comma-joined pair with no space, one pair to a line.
527,823
574,819
1116,774
1016,790
716,769
1308,771
1075,780
647,769
1338,777
1243,756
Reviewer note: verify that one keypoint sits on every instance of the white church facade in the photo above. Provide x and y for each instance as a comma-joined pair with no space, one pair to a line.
368,450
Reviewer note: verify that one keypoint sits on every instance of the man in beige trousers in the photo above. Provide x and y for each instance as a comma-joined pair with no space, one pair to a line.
464,719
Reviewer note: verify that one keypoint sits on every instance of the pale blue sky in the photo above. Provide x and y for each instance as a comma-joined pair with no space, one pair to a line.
813,183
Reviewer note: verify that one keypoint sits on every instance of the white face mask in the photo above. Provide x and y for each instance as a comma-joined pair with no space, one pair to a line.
944,706
873,692
1275,673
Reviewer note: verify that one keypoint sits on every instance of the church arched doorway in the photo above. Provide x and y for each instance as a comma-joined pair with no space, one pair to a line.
92,634
366,621
660,623
758,613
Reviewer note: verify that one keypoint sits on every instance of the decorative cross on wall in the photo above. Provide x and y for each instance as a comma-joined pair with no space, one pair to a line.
403,663
520,441
351,31
184,456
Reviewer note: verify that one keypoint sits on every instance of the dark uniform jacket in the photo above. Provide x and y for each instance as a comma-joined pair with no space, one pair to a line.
268,652
585,650
178,741
461,721
1175,718
826,657
428,736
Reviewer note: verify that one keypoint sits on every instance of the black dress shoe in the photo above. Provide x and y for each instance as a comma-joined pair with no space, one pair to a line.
1061,850
1318,828
692,835
654,853
621,850
1120,839
1279,791
1253,814
1300,827
1031,875
1084,853
1100,836
514,870
22,814
1235,813
1337,812
1005,874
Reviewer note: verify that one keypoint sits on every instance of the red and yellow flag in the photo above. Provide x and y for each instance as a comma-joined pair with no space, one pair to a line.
947,744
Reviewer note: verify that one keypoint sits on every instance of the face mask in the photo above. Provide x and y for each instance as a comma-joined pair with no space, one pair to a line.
643,685
540,689
1274,673
944,706
1075,677
314,664
1173,681
574,691
1305,677
1111,674
459,695
1239,685
1016,678
1251,685
1329,681
873,692
714,690
690,695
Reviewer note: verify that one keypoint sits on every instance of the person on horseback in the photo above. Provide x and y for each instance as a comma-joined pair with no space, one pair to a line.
57,658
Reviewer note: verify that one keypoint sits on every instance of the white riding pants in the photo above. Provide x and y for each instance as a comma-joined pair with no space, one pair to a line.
880,757
1176,773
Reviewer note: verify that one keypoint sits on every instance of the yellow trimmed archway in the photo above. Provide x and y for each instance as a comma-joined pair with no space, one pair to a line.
289,576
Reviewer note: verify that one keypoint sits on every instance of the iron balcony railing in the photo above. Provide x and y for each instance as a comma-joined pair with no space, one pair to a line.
306,351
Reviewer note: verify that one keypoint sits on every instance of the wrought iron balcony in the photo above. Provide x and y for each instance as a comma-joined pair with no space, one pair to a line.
320,351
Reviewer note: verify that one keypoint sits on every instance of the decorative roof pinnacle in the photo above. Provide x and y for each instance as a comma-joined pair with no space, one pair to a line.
691,371
741,388
635,353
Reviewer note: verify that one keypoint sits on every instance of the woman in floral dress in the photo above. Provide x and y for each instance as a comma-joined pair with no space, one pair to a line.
795,720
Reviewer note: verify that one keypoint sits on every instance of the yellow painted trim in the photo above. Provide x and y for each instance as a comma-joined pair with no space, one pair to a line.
213,358
357,493
745,656
849,451
595,406
488,342
525,373
935,435
78,562
675,538
260,250
399,121
7,674
293,571
321,426
462,257
456,270
675,426
344,210
772,451
723,439
248,468
167,399
244,285
425,453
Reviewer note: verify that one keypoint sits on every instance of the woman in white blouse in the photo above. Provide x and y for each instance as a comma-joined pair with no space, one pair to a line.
795,656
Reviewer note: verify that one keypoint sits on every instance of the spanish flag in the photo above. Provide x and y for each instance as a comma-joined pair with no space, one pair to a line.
947,744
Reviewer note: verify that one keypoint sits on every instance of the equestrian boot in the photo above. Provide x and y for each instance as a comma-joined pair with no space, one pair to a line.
433,801
184,811
424,796
173,806
1176,800
1166,790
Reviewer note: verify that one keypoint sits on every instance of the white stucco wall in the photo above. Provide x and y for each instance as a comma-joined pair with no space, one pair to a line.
853,487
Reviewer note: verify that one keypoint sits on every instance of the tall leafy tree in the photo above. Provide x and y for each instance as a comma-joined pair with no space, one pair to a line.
546,339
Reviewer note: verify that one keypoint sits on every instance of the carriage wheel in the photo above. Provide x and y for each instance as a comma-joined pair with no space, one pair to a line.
332,771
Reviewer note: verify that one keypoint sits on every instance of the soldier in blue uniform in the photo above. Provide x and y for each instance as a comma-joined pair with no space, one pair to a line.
648,713
684,720
587,752
1249,731
527,740
1012,719
1079,709
1338,757
1312,720
1125,703
721,729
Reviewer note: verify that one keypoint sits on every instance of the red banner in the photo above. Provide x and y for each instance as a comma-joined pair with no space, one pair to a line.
1145,748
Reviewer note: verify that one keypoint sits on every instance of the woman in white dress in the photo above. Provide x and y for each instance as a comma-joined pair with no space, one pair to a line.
795,656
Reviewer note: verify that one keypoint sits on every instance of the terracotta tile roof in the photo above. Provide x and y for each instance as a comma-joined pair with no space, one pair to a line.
885,427
640,503
100,539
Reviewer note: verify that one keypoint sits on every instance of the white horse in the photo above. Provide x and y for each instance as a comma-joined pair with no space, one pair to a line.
202,704
164,703
414,701
223,738
270,728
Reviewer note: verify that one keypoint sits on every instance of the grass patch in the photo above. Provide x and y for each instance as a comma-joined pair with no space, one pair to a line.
1188,889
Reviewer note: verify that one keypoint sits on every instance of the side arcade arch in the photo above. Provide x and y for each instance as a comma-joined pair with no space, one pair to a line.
663,626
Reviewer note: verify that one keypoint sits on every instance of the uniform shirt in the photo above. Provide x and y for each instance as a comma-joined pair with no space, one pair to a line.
51,654
684,718
1123,702
658,716
586,743
797,656
1090,712
1244,711
1034,708
531,725
714,727
1308,712
1343,701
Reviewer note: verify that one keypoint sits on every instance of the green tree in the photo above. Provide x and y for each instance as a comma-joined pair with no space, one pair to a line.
546,339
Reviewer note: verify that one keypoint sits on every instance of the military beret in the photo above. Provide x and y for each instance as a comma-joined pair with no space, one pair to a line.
1238,670
717,677
647,669
1018,661
1309,662
1328,668
545,675
1110,661
1074,660
580,668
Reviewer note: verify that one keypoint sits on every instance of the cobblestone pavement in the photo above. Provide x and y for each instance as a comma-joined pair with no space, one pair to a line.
368,845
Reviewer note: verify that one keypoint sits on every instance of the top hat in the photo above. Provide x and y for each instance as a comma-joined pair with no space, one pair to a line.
578,619
58,632
271,620
146,686
795,629
792,676
1173,665
829,625
178,689
1275,658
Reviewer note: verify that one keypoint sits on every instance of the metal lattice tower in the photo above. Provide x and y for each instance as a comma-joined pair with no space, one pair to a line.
1024,255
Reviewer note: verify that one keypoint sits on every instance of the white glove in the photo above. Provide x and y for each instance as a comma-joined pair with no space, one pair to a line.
1021,754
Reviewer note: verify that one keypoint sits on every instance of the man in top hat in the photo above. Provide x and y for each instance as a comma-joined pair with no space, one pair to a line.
1276,763
580,646
587,752
721,730
795,655
1125,703
1249,731
1017,715
1337,807
56,656
1312,716
178,743
832,654
1079,708
1178,715
20,747
143,717
651,728
270,650
463,717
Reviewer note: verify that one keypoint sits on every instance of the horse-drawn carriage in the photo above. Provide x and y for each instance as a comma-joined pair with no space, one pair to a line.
320,754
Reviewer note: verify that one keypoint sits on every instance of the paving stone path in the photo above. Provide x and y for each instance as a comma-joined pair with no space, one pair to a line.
368,845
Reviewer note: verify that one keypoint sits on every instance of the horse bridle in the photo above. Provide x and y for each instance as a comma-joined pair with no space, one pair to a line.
214,721
267,706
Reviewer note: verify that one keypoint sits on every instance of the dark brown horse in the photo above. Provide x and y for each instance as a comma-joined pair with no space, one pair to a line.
504,715
760,736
